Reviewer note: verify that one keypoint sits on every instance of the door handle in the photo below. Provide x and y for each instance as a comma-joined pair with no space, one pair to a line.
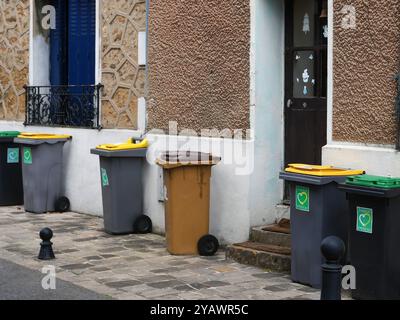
289,103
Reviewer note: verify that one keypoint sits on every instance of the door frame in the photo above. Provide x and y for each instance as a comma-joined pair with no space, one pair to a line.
34,65
288,76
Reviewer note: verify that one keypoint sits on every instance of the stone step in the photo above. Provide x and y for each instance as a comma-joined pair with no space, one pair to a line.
265,247
269,257
276,234
268,235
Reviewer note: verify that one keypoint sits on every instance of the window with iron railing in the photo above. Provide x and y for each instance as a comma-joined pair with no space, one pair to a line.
70,106
68,94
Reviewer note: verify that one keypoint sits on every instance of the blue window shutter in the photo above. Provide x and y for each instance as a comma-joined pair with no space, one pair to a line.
58,46
81,42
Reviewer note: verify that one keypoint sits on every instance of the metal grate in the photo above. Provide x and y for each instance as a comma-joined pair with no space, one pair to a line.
63,106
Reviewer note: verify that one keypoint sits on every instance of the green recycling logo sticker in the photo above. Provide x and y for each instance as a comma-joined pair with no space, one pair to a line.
27,155
365,220
13,155
303,198
104,178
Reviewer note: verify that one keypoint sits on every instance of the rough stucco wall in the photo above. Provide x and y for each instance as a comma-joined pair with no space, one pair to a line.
198,64
366,60
14,57
122,77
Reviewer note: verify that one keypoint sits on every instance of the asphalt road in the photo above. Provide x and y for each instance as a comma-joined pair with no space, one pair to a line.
19,283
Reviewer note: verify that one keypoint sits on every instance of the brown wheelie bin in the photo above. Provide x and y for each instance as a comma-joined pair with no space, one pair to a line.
187,202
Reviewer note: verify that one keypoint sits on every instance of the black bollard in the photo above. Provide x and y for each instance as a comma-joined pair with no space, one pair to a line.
333,249
46,247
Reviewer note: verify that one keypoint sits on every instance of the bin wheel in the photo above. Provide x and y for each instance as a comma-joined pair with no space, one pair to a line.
208,245
62,204
143,225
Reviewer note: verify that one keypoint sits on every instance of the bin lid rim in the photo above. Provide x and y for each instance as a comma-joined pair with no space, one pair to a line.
186,158
128,145
9,134
321,171
43,136
374,181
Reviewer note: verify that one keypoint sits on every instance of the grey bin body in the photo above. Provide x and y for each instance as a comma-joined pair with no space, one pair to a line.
122,189
327,216
42,176
375,256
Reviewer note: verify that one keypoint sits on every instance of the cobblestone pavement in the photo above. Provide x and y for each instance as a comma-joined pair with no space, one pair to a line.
135,266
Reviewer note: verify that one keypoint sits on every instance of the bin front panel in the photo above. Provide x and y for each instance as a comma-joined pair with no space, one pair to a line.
121,181
11,189
373,246
316,211
186,207
42,176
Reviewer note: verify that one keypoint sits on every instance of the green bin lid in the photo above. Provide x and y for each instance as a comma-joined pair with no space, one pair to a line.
374,182
9,134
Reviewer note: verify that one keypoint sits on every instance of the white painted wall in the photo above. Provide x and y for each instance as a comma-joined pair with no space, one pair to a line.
267,43
376,160
81,169
229,189
229,207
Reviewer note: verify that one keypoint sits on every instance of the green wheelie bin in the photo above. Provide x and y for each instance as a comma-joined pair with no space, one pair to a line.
374,238
11,190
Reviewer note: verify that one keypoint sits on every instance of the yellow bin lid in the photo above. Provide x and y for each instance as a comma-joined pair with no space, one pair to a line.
128,145
43,136
321,171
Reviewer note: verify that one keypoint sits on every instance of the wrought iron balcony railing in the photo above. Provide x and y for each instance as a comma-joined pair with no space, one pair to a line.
63,106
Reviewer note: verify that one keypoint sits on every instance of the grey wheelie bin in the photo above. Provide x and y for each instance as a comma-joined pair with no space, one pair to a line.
317,210
122,191
11,191
42,164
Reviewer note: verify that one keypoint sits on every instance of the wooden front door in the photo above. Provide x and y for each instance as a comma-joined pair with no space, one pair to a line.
306,42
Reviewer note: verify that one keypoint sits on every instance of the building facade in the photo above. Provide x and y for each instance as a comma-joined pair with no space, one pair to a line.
261,83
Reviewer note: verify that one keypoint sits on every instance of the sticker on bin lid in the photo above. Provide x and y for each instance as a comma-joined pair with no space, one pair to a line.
43,136
128,145
321,171
9,134
374,182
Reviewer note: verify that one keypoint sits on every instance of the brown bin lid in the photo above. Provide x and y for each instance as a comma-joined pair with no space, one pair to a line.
173,159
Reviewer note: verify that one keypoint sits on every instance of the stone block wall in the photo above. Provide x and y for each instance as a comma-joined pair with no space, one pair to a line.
14,58
123,78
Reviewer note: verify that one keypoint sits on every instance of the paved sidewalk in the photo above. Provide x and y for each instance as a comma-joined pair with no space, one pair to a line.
135,266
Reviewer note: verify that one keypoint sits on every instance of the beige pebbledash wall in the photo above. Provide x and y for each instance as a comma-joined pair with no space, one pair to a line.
14,57
123,79
366,60
198,64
